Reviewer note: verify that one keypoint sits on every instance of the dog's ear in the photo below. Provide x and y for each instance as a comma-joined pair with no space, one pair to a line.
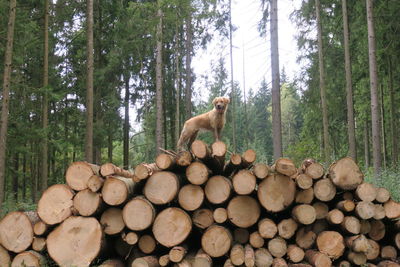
226,100
215,100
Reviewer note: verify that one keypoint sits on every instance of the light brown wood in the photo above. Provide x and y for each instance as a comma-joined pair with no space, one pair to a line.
256,240
287,228
345,174
16,232
346,205
321,210
360,244
200,150
237,254
241,235
366,192
295,253
5,259
335,216
165,162
197,173
39,244
305,196
108,169
220,215
164,260
365,227
379,212
331,243
263,257
218,189
261,170
304,214
277,247
244,182
276,192
382,195
378,230
249,257
138,214
315,170
88,203
191,197
351,224
147,244
146,261
55,204
216,241
305,237
324,190
345,263
28,258
112,263
111,220
304,181
374,250
319,226
279,262
365,210
117,190
203,218
145,170
218,151
387,263
233,164
172,226
228,263
317,259
161,188
202,259
76,241
78,174
131,238
184,158
267,228
95,183
248,158
177,253
356,258
285,166
392,209
40,228
243,211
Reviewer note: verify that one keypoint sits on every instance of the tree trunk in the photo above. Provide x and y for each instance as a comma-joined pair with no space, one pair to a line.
373,73
6,97
276,89
126,123
232,100
393,119
159,84
177,86
366,144
89,82
382,120
15,180
188,87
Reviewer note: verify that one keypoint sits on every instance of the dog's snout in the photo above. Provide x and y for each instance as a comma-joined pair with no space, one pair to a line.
220,106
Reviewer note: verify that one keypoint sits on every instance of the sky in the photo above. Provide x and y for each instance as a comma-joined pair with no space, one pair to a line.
249,47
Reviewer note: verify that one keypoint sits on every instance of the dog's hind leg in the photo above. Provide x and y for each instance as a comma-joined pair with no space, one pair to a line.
192,138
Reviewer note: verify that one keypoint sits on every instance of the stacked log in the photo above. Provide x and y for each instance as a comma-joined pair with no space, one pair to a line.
198,209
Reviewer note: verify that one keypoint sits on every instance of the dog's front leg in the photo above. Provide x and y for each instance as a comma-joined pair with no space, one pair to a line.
217,134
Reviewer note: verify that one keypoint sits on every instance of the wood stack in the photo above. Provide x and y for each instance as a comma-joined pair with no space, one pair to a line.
196,209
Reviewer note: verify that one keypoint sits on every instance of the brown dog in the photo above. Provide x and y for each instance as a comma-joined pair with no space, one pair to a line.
213,120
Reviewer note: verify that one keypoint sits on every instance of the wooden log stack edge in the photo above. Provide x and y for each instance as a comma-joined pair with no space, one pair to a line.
205,208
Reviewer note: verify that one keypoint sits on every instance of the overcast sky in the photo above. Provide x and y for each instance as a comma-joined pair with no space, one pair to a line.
247,40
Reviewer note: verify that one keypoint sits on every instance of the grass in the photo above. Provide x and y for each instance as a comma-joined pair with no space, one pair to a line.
389,179
10,205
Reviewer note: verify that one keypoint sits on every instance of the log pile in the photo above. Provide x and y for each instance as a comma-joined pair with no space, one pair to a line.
199,209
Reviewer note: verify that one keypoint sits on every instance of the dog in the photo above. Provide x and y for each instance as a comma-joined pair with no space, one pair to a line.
213,120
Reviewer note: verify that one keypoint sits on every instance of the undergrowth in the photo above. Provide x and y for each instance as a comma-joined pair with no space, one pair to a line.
389,179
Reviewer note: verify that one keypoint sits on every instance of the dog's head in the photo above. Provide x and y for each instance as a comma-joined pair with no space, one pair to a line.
221,104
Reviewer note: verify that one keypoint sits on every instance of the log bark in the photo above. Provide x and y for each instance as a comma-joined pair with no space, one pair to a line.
331,243
39,244
261,170
276,192
77,241
263,257
256,240
88,203
305,238
172,226
218,151
277,247
145,170
5,259
237,254
117,190
366,192
16,232
249,257
285,166
161,188
216,241
203,218
95,183
315,170
318,259
304,214
55,204
233,164
197,173
244,182
138,214
243,211
304,181
79,173
345,174
324,190
295,253
218,189
304,196
220,215
392,209
111,221
191,197
147,244
287,228
109,169
267,228
28,258
146,261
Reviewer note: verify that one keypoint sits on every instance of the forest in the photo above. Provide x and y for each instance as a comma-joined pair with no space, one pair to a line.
73,71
